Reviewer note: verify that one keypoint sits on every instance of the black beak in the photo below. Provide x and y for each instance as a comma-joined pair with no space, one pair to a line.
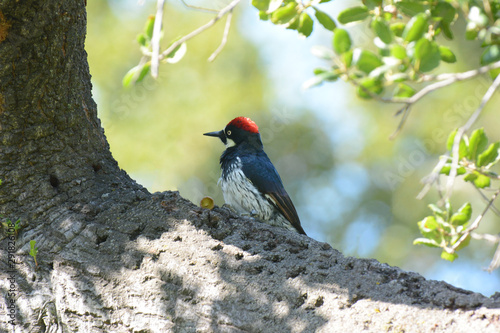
220,134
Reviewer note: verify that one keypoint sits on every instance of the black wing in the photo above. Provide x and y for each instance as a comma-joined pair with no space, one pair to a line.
264,176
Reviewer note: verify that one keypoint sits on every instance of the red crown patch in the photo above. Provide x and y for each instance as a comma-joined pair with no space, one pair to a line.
245,124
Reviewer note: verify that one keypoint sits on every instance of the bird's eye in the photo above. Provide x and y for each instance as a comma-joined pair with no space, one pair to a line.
228,133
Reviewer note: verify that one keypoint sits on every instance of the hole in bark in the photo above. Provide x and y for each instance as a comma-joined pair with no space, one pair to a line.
101,239
54,181
96,167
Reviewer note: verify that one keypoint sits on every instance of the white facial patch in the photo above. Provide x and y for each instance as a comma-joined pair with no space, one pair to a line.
230,143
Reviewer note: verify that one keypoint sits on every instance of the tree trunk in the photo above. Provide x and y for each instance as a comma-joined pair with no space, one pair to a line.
114,258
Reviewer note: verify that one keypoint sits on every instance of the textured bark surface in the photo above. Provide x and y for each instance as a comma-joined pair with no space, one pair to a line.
115,258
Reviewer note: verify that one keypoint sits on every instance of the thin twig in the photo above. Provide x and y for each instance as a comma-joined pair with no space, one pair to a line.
155,40
199,8
487,237
474,224
464,75
495,262
493,208
460,132
406,112
444,80
199,30
224,37
433,176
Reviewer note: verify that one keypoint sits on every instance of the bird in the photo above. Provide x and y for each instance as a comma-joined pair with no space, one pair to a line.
250,183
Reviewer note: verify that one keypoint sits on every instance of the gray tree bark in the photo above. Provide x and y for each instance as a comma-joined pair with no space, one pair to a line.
114,258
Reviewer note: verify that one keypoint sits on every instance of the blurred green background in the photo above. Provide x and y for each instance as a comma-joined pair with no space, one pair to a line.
353,187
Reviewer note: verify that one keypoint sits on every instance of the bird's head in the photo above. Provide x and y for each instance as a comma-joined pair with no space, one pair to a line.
239,130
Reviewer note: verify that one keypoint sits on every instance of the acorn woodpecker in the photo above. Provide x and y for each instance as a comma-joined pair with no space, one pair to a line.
250,183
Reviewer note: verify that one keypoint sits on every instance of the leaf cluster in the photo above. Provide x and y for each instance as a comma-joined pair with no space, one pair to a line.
406,40
447,229
294,14
137,73
476,158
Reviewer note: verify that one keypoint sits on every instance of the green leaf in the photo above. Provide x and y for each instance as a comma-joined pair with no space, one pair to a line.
305,25
397,28
447,167
341,41
128,79
464,244
429,223
489,155
346,58
451,140
261,5
33,248
177,54
263,16
403,91
367,61
425,241
470,177
445,27
398,51
293,24
370,85
477,143
481,181
463,150
285,14
353,14
429,229
136,74
444,12
490,54
148,27
427,54
448,256
415,28
382,30
372,3
447,55
410,7
463,215
144,71
325,20
141,39
436,210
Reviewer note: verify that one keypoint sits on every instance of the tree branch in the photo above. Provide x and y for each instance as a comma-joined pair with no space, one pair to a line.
199,30
473,226
155,41
224,37
456,143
